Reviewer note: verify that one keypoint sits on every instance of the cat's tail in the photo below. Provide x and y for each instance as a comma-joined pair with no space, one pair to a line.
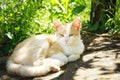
30,71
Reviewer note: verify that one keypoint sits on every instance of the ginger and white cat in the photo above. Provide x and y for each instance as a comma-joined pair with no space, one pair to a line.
43,53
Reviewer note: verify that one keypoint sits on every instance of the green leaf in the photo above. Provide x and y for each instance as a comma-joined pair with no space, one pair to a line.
78,9
64,1
54,2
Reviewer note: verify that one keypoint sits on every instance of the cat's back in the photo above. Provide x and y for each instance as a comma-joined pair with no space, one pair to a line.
36,40
34,44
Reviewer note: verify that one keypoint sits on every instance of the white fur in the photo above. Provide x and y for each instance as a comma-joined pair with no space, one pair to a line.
61,57
37,66
73,51
26,70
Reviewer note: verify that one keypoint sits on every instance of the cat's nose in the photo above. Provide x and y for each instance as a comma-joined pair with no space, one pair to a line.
66,41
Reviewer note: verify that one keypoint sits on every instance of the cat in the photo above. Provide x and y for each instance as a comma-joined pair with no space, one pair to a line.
40,54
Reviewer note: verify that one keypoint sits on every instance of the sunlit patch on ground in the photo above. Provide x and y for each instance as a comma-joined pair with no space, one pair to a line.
101,61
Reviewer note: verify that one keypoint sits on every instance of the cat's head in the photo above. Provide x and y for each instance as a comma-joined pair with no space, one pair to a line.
69,33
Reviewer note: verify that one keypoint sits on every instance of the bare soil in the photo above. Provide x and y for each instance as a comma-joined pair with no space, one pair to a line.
100,61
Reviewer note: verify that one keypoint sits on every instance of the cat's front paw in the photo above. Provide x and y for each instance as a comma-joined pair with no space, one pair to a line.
55,68
73,58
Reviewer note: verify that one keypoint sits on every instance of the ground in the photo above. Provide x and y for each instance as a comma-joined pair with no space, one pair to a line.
100,61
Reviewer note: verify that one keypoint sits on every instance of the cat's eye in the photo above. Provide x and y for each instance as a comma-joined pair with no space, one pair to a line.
62,35
70,34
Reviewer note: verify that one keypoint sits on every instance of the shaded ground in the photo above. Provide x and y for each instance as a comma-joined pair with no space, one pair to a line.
100,61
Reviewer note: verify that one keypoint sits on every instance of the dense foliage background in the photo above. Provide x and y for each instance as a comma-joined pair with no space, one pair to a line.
20,19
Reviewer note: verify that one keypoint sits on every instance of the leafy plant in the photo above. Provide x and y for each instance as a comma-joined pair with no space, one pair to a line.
20,19
112,24
15,21
66,10
105,17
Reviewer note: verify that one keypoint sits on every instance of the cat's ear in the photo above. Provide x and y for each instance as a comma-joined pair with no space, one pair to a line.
56,23
76,23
